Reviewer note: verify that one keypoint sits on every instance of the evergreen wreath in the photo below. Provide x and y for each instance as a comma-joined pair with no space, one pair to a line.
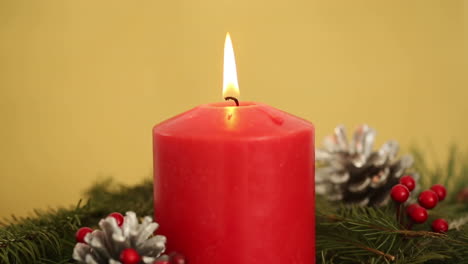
344,233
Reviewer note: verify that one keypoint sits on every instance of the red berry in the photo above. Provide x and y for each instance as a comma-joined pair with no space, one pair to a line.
418,215
118,217
399,193
440,226
428,199
129,256
161,262
81,233
411,207
408,181
440,190
177,259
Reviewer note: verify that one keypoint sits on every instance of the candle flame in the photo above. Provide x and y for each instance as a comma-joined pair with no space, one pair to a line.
230,84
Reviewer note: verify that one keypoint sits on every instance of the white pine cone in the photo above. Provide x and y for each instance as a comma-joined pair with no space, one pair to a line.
354,173
104,246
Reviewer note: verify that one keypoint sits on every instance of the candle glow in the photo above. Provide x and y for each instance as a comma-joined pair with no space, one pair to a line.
230,84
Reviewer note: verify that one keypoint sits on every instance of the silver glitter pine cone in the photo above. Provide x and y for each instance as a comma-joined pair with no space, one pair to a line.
352,172
105,245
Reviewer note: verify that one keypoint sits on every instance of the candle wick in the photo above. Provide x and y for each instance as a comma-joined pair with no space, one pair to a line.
232,98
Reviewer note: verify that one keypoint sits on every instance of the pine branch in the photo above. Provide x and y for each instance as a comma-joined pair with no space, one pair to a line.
48,237
344,234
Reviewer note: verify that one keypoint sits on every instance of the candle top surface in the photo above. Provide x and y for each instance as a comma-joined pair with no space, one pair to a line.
226,120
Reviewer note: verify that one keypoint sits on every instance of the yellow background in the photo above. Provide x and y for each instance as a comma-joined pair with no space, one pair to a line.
83,82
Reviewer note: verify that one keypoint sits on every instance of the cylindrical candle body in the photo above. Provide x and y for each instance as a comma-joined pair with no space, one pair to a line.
236,185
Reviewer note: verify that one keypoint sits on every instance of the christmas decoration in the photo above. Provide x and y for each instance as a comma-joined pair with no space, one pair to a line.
418,214
411,207
409,182
129,256
399,193
118,217
352,172
440,191
428,199
81,233
345,234
130,243
440,225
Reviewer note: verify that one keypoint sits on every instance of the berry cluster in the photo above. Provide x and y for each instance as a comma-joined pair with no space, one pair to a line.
128,255
428,199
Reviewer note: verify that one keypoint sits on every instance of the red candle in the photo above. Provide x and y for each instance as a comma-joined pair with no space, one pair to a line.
235,184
